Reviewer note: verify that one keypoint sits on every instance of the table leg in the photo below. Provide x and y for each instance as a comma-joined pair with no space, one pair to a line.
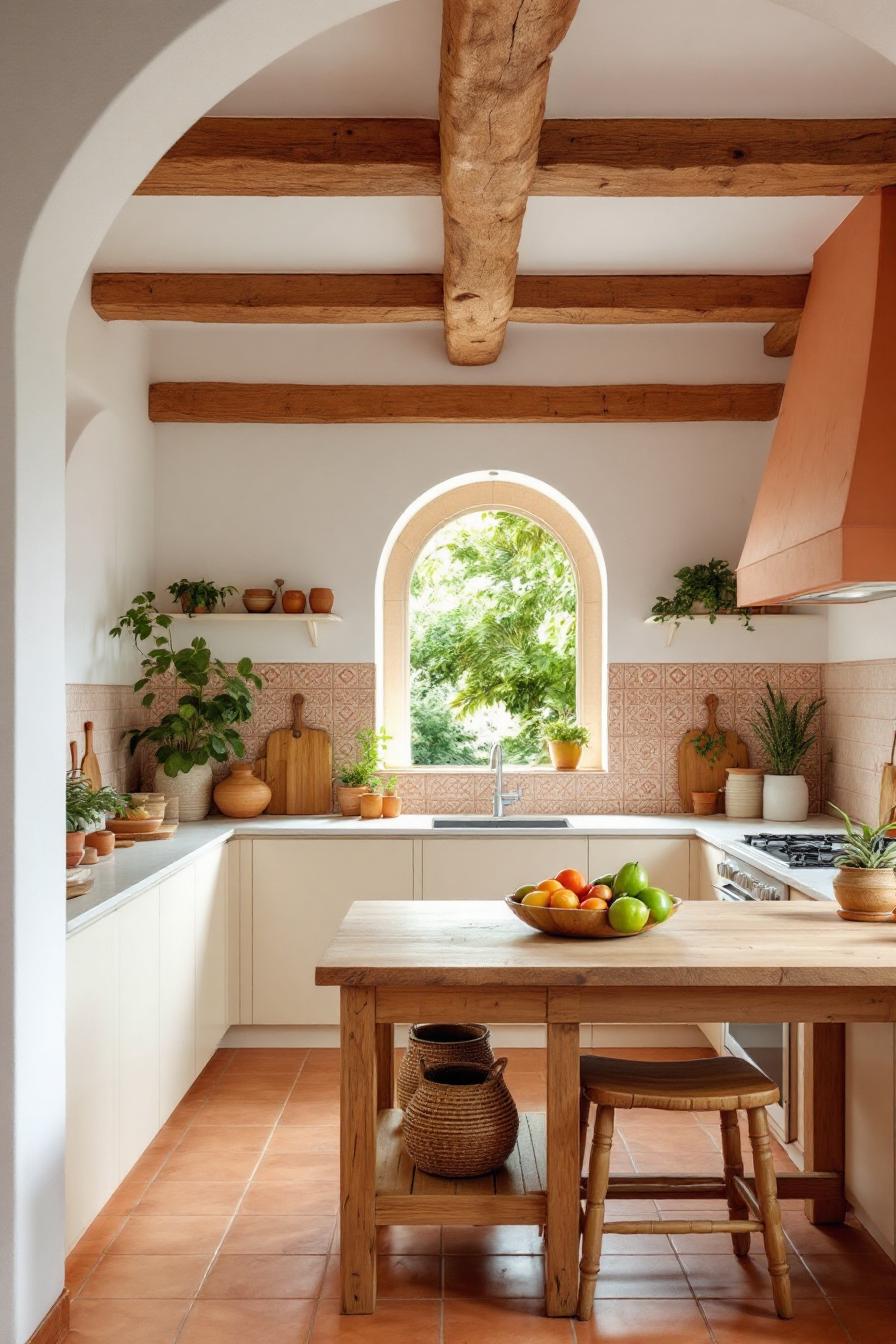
385,1065
824,1073
357,1150
564,1169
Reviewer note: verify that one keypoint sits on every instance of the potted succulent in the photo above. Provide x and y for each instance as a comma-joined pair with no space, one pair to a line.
370,804
200,729
785,734
865,884
565,740
86,810
391,800
703,590
197,597
355,778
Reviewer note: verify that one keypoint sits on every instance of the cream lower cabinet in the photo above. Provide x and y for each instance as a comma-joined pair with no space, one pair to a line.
870,1144
177,971
212,919
666,859
138,1024
480,868
301,889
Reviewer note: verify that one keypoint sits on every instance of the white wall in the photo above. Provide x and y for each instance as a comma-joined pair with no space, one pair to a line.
109,491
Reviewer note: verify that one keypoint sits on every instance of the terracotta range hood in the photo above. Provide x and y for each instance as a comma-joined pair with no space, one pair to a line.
824,525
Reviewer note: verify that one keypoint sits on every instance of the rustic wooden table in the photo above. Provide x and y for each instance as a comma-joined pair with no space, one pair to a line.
471,960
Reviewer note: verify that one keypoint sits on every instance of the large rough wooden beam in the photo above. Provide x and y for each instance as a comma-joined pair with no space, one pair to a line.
322,404
780,340
496,57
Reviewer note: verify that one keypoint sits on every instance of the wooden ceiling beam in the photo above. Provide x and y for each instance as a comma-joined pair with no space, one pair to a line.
298,404
355,156
780,340
496,58
319,298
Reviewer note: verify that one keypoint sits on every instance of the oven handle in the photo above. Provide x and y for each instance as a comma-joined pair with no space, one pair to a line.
728,892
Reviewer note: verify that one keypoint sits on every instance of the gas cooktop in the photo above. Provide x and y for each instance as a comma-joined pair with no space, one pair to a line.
806,850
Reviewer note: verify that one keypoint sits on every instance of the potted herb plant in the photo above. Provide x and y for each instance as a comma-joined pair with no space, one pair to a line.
86,810
391,800
709,746
865,884
200,729
197,597
703,590
355,778
565,740
370,804
785,734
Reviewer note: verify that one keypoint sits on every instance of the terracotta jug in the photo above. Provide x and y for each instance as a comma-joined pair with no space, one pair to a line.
242,794
321,600
293,601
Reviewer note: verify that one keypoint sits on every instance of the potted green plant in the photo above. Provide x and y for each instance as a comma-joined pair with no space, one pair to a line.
709,746
865,884
785,733
197,597
708,589
200,729
86,810
391,800
355,778
370,804
565,739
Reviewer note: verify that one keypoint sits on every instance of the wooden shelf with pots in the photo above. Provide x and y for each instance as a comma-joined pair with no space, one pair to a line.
311,620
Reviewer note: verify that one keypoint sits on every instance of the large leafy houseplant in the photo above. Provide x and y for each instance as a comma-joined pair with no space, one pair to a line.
213,699
785,733
865,885
708,589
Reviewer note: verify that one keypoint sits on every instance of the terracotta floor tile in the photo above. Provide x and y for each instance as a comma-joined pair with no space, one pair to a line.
265,1276
494,1276
411,1276
186,1166
137,1322
621,1321
131,1276
512,1321
285,1321
161,1234
226,1112
827,1239
291,1197
308,1112
712,1275
198,1197
625,1276
756,1323
263,1059
77,1268
616,1243
392,1323
305,1139
279,1234
298,1167
492,1241
225,1139
403,1240
866,1322
863,1276
100,1234
126,1198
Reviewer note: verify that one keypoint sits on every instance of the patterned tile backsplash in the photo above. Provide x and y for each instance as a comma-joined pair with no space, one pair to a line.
860,718
650,706
111,710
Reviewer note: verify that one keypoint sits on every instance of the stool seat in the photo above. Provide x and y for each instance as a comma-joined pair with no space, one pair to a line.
723,1084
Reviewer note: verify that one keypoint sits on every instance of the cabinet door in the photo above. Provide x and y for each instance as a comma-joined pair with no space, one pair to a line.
666,858
138,1025
301,889
211,954
91,1147
870,1154
177,971
480,868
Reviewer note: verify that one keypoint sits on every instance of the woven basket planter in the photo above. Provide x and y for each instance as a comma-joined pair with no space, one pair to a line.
441,1043
461,1121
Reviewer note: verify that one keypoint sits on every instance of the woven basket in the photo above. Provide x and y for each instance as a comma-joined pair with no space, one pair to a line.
461,1121
441,1043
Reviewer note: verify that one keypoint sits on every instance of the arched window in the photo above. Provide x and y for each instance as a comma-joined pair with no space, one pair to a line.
455,519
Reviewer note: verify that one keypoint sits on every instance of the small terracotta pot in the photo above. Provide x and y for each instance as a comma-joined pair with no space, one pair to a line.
186,606
102,841
371,806
74,848
565,755
293,601
259,599
705,803
241,794
321,600
349,799
869,893
391,805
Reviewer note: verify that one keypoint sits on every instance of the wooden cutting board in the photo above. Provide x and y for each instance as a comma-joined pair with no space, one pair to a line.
299,767
698,775
888,788
90,766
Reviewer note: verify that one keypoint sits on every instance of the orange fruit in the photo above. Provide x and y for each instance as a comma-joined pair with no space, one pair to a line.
550,884
536,897
564,900
604,893
593,903
572,880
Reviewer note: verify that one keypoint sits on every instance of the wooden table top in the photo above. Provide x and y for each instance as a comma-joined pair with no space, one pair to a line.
708,943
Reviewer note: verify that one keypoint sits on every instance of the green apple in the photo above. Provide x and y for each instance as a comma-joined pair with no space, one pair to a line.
628,915
658,902
630,880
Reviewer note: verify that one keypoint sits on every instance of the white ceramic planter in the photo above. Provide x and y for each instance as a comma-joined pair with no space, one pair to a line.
785,798
193,791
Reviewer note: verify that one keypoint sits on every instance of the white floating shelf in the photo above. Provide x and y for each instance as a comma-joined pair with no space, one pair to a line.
309,619
728,618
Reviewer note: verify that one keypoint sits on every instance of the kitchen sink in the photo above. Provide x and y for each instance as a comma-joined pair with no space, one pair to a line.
499,823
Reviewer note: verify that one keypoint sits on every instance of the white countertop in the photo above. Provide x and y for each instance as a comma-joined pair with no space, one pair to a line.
129,871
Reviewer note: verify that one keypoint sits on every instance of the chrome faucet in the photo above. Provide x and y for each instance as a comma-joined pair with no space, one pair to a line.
502,799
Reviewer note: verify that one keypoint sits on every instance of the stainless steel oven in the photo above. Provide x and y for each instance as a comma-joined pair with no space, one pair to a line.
768,1045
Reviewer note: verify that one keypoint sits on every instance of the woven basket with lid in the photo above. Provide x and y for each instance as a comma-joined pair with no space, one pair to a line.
461,1121
441,1043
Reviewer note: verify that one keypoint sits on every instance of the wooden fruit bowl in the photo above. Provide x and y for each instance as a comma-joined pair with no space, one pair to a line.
577,923
127,827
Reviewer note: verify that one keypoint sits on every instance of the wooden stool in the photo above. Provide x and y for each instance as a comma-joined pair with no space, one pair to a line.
724,1085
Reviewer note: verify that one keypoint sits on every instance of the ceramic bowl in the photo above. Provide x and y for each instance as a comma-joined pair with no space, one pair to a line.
577,923
127,827
258,599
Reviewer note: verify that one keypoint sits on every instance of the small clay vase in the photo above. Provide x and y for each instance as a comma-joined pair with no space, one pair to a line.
349,798
241,794
293,601
371,806
74,848
102,841
391,805
704,804
321,600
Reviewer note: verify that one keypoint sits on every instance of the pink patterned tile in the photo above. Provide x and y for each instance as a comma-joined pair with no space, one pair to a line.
642,711
317,710
352,709
801,676
642,755
615,704
276,676
411,789
554,794
354,675
450,793
677,676
642,789
649,676
598,792
713,676
755,675
311,676
725,709
615,676
678,711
